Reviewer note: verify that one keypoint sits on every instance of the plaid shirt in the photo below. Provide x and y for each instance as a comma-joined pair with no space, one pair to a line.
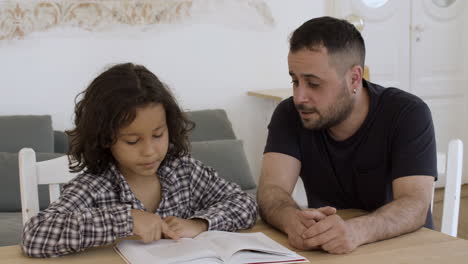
94,210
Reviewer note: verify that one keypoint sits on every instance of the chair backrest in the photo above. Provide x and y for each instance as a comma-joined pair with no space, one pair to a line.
32,173
451,165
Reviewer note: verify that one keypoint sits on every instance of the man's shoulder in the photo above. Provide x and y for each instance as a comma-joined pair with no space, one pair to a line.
401,96
396,99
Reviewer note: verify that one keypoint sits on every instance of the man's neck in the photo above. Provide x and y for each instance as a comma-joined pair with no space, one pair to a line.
350,125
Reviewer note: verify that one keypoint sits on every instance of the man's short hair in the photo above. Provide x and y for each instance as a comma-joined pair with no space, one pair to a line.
339,37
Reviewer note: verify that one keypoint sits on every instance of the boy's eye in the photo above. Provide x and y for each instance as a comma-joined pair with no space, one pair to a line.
131,142
158,136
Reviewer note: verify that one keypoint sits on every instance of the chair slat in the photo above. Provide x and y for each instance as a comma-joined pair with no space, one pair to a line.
28,183
54,171
32,173
452,188
54,192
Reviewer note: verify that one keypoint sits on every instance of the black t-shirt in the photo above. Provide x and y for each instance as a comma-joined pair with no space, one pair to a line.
395,140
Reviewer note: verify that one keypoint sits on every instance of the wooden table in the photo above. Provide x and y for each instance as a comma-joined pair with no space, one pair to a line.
421,247
272,94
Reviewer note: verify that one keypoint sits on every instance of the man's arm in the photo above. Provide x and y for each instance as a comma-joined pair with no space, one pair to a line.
279,176
406,213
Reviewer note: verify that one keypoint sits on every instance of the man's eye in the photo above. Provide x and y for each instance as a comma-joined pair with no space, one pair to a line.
294,82
313,85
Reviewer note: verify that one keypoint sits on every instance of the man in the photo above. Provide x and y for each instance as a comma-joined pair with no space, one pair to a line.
353,143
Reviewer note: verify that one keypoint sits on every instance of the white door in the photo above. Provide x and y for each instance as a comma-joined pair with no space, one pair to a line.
386,33
439,67
419,46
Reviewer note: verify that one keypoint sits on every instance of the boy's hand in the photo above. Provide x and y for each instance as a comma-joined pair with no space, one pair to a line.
150,227
186,228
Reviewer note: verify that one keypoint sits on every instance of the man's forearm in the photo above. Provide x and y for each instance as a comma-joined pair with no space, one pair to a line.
273,202
393,219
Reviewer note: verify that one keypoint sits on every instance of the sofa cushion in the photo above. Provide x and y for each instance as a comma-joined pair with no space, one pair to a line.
10,198
210,125
228,158
33,131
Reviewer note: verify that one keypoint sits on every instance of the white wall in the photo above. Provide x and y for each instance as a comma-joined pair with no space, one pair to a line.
207,66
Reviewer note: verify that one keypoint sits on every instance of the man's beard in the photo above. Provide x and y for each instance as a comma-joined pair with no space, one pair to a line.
336,113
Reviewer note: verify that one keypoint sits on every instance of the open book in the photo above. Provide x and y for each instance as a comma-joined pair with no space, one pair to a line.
209,247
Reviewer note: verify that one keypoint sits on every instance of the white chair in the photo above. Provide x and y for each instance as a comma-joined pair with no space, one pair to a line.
451,165
299,195
32,173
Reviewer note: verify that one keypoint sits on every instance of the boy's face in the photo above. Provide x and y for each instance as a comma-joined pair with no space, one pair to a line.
141,146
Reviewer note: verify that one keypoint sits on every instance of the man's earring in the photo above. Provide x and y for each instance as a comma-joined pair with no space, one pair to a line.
354,91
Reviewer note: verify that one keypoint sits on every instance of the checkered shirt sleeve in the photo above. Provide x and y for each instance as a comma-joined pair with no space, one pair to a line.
223,204
75,221
95,210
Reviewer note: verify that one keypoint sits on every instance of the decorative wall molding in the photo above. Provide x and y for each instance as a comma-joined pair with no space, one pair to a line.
22,17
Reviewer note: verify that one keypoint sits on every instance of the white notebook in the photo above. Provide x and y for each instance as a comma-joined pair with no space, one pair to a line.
209,247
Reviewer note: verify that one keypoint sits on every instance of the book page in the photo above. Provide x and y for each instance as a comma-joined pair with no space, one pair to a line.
248,257
212,247
226,244
167,251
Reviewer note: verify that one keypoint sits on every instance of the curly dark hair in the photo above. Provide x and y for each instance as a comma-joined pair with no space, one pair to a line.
338,36
109,103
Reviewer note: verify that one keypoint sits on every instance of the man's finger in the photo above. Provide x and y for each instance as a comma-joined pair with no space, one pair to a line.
328,210
312,214
332,245
320,239
307,222
317,229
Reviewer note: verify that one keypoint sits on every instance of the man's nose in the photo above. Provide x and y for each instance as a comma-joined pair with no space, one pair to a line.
300,94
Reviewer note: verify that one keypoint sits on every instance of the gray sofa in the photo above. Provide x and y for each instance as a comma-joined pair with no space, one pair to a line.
213,142
17,132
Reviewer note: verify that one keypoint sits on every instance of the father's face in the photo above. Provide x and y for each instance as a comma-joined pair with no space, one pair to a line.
322,98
